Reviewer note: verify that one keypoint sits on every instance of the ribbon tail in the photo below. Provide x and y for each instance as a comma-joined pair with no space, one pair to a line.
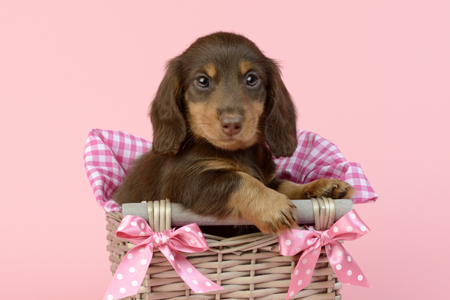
303,272
190,275
131,272
345,267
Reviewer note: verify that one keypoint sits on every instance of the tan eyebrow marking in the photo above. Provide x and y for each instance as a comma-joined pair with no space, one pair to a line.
210,70
245,66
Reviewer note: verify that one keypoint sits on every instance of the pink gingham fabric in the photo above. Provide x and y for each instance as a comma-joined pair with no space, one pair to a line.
109,154
315,158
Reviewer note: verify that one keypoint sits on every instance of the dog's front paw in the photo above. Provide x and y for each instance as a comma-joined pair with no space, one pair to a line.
274,213
332,188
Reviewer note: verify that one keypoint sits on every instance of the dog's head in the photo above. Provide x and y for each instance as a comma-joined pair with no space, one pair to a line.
223,89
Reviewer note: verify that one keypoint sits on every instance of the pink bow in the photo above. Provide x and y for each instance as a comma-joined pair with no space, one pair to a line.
349,227
133,267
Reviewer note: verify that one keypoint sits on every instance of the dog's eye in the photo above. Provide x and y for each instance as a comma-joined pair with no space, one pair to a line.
251,80
203,81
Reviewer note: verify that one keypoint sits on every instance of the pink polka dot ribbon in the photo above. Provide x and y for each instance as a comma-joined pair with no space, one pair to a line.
349,227
133,267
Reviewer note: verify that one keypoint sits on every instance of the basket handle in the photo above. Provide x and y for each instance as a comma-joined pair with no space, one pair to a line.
159,215
162,214
324,212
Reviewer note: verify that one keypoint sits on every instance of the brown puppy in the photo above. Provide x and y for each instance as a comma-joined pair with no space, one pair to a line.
219,115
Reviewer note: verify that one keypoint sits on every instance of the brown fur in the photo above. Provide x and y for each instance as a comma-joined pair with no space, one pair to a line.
194,161
210,70
245,66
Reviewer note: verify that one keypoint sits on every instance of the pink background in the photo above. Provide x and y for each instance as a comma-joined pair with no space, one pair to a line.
370,76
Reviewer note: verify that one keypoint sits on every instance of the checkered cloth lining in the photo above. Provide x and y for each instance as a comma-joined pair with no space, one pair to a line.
109,154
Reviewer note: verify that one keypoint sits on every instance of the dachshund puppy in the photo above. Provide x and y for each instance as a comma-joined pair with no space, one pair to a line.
219,116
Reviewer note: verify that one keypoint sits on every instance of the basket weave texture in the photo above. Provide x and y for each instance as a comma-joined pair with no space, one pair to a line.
246,266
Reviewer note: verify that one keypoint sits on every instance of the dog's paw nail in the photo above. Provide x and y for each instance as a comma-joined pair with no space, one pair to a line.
341,194
328,193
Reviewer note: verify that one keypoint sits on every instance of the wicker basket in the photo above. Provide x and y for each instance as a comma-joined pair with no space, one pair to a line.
246,266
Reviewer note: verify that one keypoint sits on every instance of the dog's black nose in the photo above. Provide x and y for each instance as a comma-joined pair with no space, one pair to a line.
231,125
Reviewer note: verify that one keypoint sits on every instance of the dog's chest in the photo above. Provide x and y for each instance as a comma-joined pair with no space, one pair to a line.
256,161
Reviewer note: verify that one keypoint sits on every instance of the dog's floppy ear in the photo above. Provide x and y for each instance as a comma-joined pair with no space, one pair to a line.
280,125
169,128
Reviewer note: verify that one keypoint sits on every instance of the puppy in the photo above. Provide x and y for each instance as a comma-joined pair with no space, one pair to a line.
219,116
